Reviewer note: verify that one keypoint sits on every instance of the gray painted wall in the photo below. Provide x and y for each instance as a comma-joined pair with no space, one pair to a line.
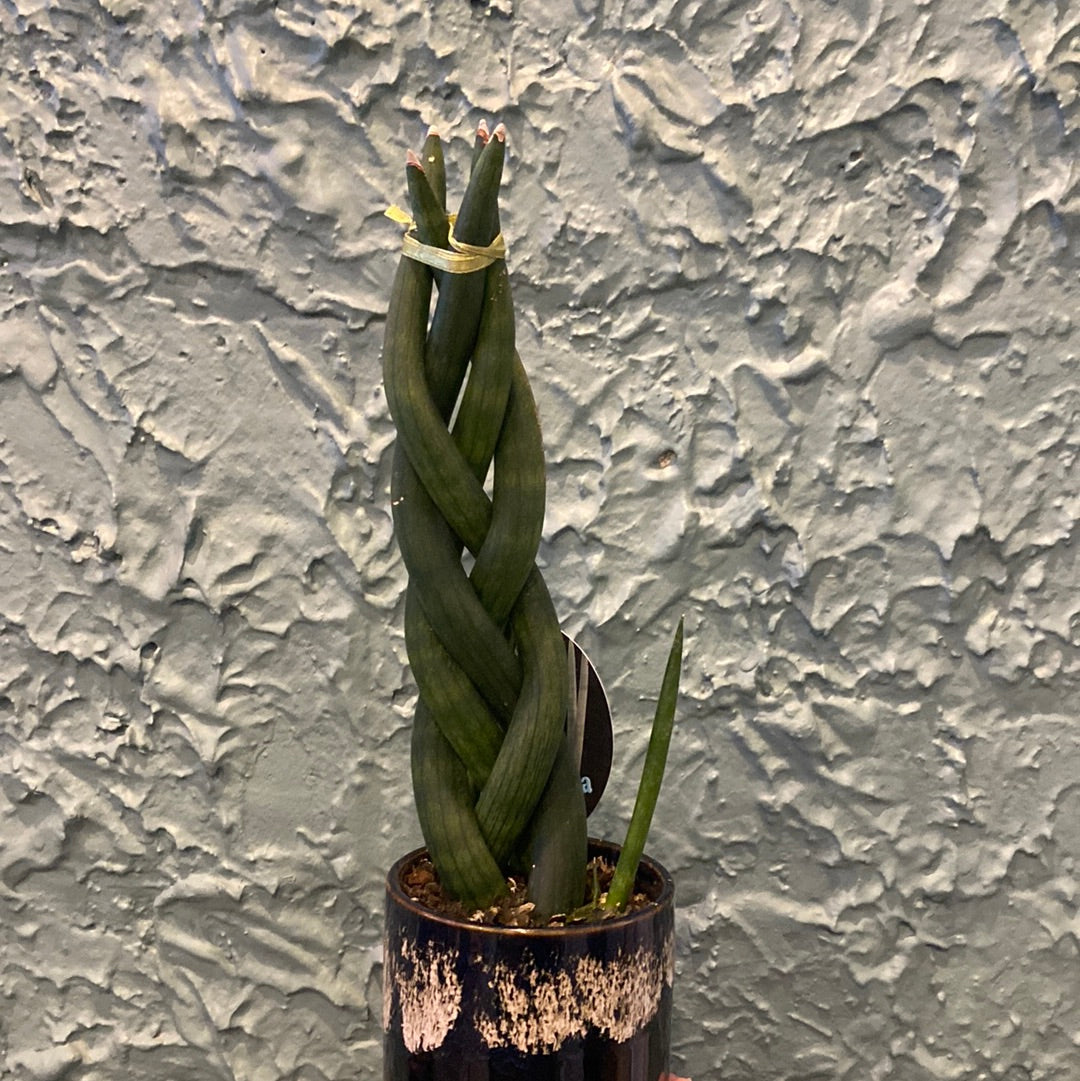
797,290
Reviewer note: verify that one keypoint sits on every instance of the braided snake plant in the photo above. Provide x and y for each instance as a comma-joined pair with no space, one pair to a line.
494,760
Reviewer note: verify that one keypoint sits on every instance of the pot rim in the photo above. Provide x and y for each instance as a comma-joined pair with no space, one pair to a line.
664,899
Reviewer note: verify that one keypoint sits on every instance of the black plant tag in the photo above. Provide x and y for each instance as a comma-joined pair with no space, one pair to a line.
596,741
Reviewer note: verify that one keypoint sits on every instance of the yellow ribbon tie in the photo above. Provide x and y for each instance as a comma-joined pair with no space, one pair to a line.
463,259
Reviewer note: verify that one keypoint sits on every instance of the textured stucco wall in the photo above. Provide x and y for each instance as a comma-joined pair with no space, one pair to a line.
797,290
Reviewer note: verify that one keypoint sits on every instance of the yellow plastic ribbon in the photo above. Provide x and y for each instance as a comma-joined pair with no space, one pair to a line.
463,259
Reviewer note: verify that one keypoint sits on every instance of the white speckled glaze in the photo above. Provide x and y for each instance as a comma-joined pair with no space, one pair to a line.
797,294
532,1011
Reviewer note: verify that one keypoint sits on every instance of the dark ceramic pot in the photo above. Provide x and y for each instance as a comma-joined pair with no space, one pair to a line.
589,1002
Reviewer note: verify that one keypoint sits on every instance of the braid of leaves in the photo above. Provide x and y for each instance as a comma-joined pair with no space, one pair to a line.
484,646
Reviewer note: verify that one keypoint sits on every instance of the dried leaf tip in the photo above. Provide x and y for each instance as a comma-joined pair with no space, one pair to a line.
413,160
500,133
482,132
433,132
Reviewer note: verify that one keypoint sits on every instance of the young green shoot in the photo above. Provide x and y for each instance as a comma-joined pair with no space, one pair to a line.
577,699
652,774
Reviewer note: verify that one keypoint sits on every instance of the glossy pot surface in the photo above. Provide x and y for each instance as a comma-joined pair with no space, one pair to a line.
588,1002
